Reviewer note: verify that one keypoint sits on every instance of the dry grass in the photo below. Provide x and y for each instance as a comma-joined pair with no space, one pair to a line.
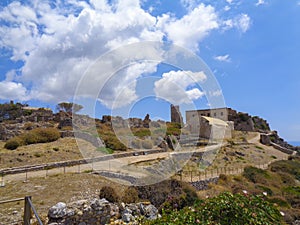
60,150
50,190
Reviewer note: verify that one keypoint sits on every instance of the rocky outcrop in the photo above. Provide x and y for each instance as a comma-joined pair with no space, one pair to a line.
245,122
280,144
99,211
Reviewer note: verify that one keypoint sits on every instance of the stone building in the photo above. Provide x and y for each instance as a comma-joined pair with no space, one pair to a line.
209,123
176,116
219,113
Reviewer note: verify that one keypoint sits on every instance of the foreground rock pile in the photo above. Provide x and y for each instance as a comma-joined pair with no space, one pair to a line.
98,212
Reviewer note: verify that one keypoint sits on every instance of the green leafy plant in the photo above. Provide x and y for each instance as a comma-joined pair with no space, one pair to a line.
227,208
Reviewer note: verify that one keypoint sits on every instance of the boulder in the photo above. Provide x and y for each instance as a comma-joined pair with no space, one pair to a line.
58,211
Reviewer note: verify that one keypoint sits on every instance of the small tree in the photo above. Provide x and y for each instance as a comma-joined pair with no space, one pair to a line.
68,107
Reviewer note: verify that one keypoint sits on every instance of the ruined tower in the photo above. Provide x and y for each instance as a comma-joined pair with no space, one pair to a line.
175,114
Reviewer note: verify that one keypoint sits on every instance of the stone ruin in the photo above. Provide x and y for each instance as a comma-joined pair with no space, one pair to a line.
100,211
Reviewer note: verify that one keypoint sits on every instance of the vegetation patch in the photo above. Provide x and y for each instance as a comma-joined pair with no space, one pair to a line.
105,150
38,135
224,209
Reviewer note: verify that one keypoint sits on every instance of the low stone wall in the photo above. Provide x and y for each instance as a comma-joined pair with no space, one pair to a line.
266,140
282,149
203,184
98,212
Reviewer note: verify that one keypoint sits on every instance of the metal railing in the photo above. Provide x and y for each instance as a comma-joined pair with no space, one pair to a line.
28,209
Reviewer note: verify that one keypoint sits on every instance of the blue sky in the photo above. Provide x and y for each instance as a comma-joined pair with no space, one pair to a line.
252,48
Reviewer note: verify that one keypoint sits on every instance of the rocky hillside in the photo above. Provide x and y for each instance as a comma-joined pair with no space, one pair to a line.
245,122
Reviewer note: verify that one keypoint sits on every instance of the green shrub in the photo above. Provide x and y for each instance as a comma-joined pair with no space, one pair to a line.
227,208
38,135
45,135
130,195
112,142
142,132
287,166
173,129
30,138
105,150
292,195
255,175
109,194
13,143
265,189
280,201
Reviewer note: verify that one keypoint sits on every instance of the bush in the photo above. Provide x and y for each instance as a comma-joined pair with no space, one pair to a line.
130,195
224,209
109,194
171,193
38,135
287,166
112,142
141,132
45,135
13,143
255,175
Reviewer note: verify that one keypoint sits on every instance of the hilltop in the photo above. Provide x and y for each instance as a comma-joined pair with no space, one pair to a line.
33,130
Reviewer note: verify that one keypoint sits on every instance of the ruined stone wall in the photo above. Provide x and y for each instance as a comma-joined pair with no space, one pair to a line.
175,114
100,212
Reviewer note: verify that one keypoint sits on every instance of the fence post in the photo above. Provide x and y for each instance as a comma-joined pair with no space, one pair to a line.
27,211
26,177
191,176
2,180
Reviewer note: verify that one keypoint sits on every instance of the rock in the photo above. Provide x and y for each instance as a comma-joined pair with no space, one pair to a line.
151,212
142,208
58,211
98,211
126,217
239,153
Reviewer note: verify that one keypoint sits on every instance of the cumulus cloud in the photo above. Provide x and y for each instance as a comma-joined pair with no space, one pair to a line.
57,41
191,28
242,22
10,89
177,86
223,58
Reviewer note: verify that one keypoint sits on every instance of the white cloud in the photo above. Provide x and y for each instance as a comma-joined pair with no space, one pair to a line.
176,86
227,8
57,43
11,89
223,58
242,22
191,28
229,1
260,2
298,3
